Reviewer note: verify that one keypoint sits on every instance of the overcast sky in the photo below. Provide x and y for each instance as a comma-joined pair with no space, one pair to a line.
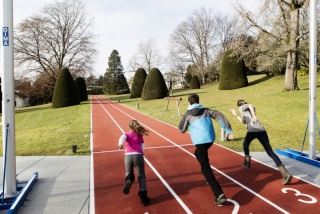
123,24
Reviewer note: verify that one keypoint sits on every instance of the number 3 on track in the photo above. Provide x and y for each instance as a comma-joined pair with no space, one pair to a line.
312,200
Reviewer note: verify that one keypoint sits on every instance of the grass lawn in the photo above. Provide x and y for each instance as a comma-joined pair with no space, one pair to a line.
284,114
42,130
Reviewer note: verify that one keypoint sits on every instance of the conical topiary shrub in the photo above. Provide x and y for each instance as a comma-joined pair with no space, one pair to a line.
65,91
138,83
81,88
154,87
194,83
233,72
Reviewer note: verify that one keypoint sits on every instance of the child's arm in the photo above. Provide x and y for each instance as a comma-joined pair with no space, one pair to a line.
236,115
122,139
253,113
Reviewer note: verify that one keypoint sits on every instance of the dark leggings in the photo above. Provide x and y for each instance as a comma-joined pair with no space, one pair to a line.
264,140
201,154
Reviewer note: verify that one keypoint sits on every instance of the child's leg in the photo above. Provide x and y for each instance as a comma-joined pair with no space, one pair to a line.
264,140
128,160
129,165
139,164
266,144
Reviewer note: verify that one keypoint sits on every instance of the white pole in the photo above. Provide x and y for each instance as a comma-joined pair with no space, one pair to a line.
312,78
223,135
7,86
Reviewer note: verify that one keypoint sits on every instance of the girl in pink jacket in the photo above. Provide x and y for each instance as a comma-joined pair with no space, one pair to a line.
134,158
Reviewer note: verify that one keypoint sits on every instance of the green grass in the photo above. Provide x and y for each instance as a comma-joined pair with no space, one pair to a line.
284,114
42,130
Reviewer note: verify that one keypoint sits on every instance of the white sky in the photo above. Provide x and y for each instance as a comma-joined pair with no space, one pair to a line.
123,24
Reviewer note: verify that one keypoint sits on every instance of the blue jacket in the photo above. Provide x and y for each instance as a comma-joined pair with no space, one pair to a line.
198,120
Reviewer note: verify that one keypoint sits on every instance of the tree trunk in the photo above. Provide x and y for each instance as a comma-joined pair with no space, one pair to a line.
291,81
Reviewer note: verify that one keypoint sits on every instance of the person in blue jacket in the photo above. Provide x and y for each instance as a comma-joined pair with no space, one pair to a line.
198,120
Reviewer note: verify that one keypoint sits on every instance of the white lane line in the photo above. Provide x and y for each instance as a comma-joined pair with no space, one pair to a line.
147,148
235,181
92,198
183,205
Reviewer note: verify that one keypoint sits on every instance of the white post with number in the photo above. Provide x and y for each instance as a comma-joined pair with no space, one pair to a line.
8,103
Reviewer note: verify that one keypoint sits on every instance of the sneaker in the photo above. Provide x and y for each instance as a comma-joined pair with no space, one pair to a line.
127,186
144,198
220,200
145,201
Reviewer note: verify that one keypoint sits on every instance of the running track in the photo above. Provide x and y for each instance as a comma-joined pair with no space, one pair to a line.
175,183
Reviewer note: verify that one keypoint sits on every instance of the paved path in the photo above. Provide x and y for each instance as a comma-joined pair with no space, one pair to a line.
62,185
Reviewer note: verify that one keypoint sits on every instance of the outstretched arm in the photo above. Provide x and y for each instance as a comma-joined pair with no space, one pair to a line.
223,121
236,115
122,139
183,125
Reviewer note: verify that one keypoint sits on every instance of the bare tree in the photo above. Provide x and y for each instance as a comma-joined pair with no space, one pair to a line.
59,36
284,28
147,56
192,42
227,30
202,38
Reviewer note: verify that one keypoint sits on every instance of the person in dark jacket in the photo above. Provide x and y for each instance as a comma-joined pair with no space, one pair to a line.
198,120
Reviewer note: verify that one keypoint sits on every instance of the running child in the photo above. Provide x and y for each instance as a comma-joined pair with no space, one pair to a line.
134,158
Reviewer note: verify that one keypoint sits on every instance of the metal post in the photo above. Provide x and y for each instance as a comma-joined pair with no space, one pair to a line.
312,78
223,135
7,86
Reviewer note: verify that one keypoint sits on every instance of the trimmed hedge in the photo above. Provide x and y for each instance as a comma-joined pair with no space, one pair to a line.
233,72
65,91
138,83
155,86
195,82
81,88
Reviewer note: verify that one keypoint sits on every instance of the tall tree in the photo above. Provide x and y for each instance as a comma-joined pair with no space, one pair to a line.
287,17
57,37
192,41
42,90
114,80
147,56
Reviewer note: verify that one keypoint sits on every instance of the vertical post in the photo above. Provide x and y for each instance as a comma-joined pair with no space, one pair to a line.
7,86
312,78
223,135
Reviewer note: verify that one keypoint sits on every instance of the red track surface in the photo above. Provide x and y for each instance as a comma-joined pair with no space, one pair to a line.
175,183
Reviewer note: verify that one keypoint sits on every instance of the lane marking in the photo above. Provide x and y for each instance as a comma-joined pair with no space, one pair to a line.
183,205
312,200
236,206
148,148
92,197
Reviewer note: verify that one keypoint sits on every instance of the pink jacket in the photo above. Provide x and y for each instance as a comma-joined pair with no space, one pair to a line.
134,143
